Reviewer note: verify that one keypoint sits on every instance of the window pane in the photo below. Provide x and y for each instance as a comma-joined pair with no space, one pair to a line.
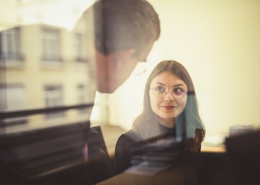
10,44
13,98
78,47
50,44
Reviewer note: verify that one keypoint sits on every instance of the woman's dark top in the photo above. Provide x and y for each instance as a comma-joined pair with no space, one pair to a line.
130,140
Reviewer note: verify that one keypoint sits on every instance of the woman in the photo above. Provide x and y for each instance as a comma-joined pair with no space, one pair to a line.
170,108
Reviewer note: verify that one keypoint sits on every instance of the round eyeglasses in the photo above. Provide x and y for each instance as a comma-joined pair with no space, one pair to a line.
161,91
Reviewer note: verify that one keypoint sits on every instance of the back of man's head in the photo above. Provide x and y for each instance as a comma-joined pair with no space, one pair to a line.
125,24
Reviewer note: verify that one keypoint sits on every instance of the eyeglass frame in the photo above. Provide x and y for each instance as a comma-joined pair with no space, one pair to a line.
184,92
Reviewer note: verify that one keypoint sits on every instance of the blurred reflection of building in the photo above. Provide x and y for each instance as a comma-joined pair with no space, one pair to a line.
47,66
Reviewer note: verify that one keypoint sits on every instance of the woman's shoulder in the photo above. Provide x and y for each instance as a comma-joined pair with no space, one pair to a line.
129,137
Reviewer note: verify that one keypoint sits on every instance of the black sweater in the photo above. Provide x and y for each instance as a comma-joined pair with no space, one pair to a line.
130,140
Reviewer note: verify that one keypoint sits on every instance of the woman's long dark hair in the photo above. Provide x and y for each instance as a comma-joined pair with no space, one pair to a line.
146,126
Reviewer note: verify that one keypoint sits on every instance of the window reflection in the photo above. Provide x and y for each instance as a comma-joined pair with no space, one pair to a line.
45,66
50,41
13,98
10,46
53,98
78,47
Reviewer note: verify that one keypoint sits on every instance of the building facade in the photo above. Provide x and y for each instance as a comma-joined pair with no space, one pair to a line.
45,66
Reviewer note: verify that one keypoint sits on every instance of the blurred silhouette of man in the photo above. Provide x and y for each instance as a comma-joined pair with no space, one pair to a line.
125,31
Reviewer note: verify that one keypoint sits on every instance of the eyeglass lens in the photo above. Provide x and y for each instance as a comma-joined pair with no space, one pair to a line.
177,92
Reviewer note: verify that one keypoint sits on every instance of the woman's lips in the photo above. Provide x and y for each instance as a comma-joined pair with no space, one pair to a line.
168,107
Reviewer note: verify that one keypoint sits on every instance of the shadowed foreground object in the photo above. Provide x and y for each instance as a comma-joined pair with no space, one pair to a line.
54,156
244,154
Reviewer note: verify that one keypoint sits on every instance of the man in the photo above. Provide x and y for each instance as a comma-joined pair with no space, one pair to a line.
125,31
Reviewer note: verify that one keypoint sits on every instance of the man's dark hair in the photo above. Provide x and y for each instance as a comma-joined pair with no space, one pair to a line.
125,24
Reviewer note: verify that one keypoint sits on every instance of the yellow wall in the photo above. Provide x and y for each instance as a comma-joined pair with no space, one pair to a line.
218,42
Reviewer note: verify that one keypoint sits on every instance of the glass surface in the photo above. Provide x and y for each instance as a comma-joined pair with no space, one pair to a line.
46,65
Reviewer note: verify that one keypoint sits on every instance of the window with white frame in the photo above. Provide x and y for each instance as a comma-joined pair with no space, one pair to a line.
10,44
53,98
51,42
13,98
78,47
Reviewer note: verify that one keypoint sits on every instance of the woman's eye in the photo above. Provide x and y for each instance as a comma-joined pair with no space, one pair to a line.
160,89
178,90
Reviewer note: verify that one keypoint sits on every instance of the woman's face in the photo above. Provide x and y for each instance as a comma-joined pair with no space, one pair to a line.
165,104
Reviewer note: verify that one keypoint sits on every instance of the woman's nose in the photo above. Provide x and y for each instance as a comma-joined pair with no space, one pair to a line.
168,96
